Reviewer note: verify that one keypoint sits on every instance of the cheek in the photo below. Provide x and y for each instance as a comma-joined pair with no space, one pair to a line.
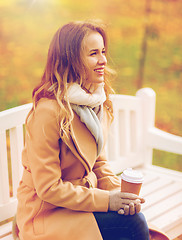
91,62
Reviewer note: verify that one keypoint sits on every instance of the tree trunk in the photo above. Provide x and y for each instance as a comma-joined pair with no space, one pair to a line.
142,60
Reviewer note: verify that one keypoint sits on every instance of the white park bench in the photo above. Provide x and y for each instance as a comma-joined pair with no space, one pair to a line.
131,142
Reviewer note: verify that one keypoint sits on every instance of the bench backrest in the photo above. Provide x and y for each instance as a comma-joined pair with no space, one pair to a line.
11,145
125,146
133,116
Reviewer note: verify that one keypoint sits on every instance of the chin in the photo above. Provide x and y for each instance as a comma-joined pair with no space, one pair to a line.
95,80
99,80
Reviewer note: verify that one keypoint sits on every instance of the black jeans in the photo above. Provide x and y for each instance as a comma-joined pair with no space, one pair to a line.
114,226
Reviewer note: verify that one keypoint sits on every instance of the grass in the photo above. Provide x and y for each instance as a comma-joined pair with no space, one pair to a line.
167,160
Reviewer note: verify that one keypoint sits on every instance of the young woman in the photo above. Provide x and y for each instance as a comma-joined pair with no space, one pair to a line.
68,190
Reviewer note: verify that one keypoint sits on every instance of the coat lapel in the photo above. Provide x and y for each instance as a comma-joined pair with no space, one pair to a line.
82,143
78,141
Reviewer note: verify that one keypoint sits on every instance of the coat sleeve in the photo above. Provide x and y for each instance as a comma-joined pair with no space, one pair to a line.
43,157
107,180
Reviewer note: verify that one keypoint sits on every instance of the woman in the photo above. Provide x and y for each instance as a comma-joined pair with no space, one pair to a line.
68,190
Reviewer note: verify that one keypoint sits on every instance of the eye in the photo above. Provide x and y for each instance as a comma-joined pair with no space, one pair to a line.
104,51
93,53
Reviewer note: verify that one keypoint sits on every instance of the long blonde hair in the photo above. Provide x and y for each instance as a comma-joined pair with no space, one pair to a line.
65,64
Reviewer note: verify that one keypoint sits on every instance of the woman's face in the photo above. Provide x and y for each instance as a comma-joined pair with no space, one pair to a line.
94,54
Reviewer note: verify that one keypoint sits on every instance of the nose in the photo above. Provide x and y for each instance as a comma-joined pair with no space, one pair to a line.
102,60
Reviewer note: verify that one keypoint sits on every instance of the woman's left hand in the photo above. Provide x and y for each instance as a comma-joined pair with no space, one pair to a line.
131,208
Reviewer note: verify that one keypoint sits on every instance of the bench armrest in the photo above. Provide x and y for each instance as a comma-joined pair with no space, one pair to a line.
162,140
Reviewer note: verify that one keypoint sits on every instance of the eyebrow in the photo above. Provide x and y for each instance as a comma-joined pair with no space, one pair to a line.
95,50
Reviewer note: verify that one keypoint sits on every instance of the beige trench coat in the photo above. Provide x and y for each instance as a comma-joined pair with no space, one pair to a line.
63,181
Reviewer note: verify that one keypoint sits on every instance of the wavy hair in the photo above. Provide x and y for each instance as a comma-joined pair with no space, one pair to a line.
65,64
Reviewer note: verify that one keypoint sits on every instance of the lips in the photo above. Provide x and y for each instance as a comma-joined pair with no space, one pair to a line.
99,70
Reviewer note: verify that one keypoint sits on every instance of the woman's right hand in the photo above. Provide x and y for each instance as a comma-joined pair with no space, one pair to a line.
125,203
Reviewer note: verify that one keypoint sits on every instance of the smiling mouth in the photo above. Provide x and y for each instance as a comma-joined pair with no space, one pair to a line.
99,70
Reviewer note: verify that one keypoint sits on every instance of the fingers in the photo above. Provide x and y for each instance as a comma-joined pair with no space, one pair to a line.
128,210
132,209
128,202
124,211
138,208
142,200
121,211
128,195
131,196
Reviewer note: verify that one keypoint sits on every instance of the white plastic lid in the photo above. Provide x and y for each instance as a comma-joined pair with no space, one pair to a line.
132,176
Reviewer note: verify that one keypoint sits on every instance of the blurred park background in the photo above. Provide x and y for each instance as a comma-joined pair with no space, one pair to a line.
145,48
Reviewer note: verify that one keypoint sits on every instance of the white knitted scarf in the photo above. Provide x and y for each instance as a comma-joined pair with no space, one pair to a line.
86,105
78,96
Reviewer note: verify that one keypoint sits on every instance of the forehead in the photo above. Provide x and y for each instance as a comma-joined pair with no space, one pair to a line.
93,40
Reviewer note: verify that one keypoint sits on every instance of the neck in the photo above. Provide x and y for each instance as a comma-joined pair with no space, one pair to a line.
90,97
91,87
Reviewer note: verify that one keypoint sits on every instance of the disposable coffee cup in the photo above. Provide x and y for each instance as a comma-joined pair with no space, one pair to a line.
131,181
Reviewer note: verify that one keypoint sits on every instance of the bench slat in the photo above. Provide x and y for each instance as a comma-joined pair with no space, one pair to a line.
8,237
154,186
5,231
163,206
8,210
165,191
124,143
16,146
4,177
171,218
13,117
149,177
